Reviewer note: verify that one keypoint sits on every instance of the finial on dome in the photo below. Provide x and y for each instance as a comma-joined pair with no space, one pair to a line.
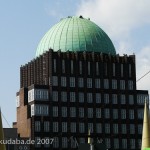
81,16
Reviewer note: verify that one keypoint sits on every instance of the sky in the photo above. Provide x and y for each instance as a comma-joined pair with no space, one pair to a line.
23,24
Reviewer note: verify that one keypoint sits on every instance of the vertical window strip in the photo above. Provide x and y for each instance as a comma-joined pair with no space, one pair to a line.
114,69
89,68
72,67
80,67
55,65
122,71
63,66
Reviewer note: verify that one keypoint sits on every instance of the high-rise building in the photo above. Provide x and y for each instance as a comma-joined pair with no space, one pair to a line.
75,83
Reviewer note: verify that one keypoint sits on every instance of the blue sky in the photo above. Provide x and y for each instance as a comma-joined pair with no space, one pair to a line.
23,24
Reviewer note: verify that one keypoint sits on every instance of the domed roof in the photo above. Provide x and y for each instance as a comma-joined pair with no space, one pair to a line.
76,34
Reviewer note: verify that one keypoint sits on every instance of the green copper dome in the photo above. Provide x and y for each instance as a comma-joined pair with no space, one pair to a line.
76,34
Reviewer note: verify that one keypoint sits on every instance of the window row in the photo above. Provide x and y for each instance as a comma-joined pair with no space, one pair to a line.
98,68
96,112
72,97
39,110
37,94
72,127
89,83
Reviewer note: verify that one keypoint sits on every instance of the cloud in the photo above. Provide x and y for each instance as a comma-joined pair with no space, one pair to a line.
117,17
121,19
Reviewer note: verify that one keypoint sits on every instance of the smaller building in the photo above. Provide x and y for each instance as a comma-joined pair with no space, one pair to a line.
13,141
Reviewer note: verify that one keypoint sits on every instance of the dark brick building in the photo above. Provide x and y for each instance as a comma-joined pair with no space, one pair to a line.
85,85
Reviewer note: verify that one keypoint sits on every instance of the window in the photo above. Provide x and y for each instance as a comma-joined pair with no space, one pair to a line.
72,81
37,94
55,81
72,112
139,143
131,114
105,68
122,84
37,144
30,96
46,126
89,68
107,142
55,96
55,111
90,127
55,126
141,98
106,84
140,127
81,112
132,143
115,113
130,85
18,101
71,66
140,113
132,129
64,142
97,68
114,84
124,128
131,100
73,143
46,144
98,98
63,81
123,99
106,98
64,126
39,110
81,97
107,113
41,94
63,66
124,143
89,82
114,99
89,98
81,128
114,69
56,142
115,128
98,128
80,82
82,140
37,126
32,110
130,73
64,111
90,112
121,70
73,127
107,128
123,114
98,112
72,97
97,83
55,65
64,96
116,143
80,67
